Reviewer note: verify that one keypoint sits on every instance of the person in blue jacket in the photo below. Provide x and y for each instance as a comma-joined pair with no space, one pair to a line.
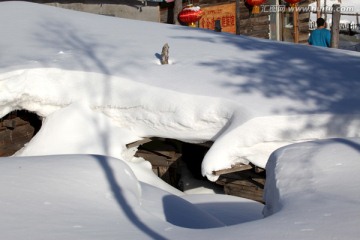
321,36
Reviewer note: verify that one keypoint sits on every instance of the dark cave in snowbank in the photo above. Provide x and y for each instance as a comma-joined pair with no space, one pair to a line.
169,156
16,129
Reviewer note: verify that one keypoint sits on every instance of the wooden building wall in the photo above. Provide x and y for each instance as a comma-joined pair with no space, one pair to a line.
287,34
253,25
131,9
250,24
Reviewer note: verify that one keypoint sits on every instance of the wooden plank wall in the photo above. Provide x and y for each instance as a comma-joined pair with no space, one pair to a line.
14,134
254,25
245,184
16,129
250,25
287,34
164,156
304,18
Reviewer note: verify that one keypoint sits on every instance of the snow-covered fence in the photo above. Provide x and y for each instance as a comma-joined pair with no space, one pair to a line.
343,26
353,26
312,25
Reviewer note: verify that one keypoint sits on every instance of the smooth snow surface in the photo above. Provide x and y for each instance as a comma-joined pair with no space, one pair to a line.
312,192
99,85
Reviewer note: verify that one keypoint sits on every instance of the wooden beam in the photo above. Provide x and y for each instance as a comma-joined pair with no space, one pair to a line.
318,6
238,12
235,168
296,24
335,26
137,143
207,144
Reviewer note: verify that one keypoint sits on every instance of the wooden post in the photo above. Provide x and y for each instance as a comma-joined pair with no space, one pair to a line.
325,10
237,17
177,9
296,24
335,26
318,11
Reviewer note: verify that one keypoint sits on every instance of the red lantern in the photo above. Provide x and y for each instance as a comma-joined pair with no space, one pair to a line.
190,15
292,2
255,4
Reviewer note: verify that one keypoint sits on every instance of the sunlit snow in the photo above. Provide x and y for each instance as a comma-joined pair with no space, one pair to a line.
99,85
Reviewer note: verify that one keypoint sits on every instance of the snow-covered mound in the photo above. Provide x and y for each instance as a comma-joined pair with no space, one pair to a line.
86,196
250,96
312,192
322,179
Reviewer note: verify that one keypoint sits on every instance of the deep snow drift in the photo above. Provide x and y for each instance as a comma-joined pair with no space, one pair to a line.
312,192
250,96
99,80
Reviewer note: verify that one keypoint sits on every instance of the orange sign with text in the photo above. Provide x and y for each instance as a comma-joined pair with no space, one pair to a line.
226,13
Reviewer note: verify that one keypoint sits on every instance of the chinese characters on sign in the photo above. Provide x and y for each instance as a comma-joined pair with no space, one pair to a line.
225,13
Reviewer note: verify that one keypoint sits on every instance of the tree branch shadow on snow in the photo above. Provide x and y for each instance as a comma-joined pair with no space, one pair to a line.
302,74
74,46
121,201
308,75
90,56
281,74
229,213
81,49
348,142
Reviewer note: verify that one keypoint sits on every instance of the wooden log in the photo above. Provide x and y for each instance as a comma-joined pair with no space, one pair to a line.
10,123
237,17
138,143
168,174
240,179
157,160
247,183
245,193
335,27
12,140
235,168
207,144
318,12
296,25
157,153
258,183
159,148
243,190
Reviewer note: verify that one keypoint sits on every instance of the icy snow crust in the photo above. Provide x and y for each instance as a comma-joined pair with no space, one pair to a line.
99,85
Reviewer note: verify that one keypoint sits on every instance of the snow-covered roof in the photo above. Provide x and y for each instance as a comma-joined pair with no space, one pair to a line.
105,87
252,95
